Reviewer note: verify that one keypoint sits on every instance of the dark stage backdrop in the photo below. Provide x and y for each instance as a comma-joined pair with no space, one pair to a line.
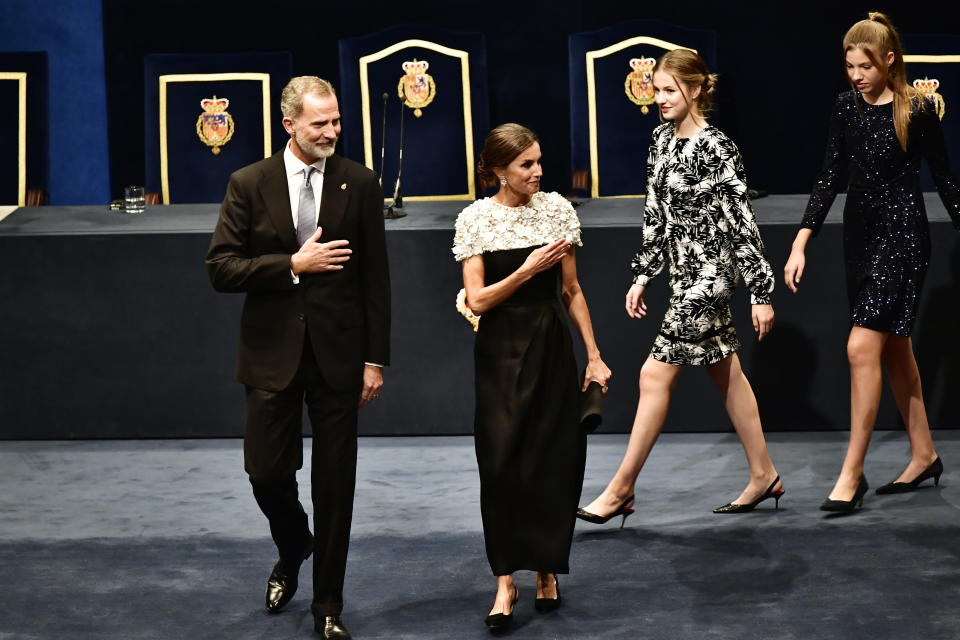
779,63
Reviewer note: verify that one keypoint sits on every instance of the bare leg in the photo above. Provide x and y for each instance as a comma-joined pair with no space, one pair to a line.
657,380
506,592
546,585
741,405
864,348
905,382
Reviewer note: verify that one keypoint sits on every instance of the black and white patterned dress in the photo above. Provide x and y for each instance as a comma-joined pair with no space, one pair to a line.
698,217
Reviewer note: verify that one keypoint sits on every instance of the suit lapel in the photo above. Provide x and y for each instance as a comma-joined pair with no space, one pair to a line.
276,197
336,193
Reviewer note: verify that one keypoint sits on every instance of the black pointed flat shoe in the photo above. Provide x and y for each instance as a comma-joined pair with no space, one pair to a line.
503,620
546,605
625,509
847,506
733,507
935,470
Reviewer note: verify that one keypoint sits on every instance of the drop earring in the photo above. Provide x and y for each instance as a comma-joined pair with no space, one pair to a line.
503,181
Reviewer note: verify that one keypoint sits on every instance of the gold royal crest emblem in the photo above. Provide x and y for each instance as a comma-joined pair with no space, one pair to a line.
639,83
417,87
928,87
215,125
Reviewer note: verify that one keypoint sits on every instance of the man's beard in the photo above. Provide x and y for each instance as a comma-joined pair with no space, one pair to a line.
313,149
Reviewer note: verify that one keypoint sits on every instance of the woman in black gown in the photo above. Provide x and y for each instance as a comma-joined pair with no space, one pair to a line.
879,132
517,252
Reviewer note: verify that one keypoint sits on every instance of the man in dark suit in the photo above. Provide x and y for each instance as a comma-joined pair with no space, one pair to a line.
301,233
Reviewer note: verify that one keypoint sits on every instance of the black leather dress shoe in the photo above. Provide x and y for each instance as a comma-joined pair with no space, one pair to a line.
282,583
331,627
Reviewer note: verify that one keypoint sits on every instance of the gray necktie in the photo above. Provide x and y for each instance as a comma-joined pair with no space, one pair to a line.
307,210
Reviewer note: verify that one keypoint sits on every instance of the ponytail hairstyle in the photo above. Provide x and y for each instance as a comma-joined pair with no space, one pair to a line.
689,69
876,36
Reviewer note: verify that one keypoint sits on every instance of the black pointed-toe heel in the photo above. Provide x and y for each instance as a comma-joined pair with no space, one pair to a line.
935,470
546,605
733,507
503,620
847,506
625,509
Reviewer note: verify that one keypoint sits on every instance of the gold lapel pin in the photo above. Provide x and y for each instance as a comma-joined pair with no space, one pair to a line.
343,187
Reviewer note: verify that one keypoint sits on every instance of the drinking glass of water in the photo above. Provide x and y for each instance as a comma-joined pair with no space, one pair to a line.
134,200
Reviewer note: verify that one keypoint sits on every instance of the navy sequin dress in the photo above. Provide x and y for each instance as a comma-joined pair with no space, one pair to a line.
886,237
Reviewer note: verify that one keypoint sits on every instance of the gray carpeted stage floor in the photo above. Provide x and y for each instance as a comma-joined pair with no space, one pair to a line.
161,539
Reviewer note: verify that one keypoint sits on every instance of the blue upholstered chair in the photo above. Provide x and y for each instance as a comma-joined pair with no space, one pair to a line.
438,78
206,116
24,128
611,101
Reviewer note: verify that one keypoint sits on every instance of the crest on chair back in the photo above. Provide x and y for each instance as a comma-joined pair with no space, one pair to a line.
928,87
417,87
215,125
639,83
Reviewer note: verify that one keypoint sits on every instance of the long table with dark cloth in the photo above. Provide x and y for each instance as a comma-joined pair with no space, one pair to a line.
110,328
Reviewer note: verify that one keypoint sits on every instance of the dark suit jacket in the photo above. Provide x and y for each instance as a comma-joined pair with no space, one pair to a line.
347,311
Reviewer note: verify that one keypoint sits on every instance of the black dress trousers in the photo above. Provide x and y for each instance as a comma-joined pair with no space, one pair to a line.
273,452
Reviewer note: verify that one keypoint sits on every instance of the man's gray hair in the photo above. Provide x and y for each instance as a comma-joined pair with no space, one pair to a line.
291,100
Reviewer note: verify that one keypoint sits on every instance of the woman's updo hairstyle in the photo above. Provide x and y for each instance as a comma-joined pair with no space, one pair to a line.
690,70
501,147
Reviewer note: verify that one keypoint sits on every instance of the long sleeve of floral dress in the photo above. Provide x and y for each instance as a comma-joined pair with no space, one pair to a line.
730,189
649,259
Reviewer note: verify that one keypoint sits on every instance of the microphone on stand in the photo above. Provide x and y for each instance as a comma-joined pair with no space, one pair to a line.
383,136
396,209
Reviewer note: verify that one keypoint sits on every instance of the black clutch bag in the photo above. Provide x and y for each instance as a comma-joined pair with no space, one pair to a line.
591,407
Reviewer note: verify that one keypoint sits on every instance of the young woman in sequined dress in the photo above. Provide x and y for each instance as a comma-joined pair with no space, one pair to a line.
879,132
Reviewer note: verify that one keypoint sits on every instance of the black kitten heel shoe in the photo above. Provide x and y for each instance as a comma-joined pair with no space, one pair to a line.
625,509
546,605
847,506
733,507
935,470
503,620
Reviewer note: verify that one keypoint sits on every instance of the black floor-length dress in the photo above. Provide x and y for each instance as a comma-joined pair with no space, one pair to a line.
530,449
